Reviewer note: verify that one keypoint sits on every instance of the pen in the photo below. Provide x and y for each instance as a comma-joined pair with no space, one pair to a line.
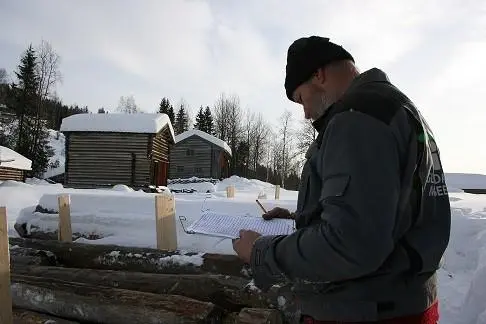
263,208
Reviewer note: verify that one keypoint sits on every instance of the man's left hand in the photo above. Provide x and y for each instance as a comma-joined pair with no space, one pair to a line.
244,245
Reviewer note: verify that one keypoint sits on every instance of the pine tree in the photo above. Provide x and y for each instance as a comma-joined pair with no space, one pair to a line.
181,121
200,120
208,121
31,141
166,108
25,98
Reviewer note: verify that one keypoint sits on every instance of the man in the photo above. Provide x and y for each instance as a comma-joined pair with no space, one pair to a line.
373,213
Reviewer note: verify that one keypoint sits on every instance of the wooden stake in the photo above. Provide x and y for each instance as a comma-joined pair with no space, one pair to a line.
5,293
165,222
64,233
277,192
230,191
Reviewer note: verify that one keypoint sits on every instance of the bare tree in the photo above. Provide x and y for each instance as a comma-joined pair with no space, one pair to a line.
3,85
127,105
47,69
305,135
221,117
49,75
3,76
190,120
260,134
286,145
228,122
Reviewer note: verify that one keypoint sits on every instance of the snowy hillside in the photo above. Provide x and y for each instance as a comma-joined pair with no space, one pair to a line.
126,217
57,142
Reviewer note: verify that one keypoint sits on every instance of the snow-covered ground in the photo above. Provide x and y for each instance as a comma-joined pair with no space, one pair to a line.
126,217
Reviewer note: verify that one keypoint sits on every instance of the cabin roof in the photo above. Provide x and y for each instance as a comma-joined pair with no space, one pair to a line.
206,136
117,122
11,159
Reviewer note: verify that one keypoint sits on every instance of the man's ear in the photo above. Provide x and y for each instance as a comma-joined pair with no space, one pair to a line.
320,75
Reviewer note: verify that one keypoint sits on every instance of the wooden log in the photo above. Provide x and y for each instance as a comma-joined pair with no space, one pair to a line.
230,293
255,316
22,316
113,257
85,303
26,256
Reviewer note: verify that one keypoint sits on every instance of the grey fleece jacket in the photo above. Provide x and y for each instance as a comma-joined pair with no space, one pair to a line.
373,214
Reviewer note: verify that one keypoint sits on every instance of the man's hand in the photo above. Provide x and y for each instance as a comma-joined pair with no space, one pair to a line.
277,212
244,245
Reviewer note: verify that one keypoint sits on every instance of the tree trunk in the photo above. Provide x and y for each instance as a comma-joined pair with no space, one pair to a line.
230,293
113,257
28,317
106,305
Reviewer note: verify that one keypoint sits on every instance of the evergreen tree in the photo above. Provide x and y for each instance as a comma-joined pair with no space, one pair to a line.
208,121
181,121
31,134
165,107
101,110
200,120
25,93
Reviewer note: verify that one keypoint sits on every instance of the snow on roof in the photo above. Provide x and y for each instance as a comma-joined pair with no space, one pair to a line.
11,159
204,135
117,122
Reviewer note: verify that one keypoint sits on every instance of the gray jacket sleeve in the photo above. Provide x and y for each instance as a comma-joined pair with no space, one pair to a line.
360,174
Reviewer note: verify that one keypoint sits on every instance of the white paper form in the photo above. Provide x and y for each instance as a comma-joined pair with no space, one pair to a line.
229,226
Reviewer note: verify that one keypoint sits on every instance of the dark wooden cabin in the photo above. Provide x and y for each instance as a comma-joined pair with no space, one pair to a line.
13,166
199,154
103,150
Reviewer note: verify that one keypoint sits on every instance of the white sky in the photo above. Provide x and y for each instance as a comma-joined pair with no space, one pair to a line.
433,50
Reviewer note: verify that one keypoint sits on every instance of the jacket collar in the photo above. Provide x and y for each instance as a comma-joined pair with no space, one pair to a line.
369,76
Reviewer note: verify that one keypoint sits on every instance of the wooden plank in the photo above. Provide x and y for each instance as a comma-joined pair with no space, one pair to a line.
11,174
165,222
65,233
6,316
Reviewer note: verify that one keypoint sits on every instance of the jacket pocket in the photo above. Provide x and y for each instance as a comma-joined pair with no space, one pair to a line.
335,186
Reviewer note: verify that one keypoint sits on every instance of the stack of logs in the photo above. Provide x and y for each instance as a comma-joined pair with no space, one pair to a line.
84,283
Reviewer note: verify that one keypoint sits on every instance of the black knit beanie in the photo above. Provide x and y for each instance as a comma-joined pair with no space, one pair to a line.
306,55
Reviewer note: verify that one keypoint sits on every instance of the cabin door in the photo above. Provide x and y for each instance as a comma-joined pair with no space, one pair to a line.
161,173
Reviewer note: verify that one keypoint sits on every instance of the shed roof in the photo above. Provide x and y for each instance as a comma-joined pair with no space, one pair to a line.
204,135
11,159
117,122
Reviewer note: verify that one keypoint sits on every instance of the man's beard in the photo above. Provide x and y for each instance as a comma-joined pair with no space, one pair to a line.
321,104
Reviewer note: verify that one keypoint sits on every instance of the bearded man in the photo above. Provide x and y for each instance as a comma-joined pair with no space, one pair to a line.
373,214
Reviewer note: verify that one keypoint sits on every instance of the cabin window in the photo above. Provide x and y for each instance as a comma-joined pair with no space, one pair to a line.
198,169
189,152
180,168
